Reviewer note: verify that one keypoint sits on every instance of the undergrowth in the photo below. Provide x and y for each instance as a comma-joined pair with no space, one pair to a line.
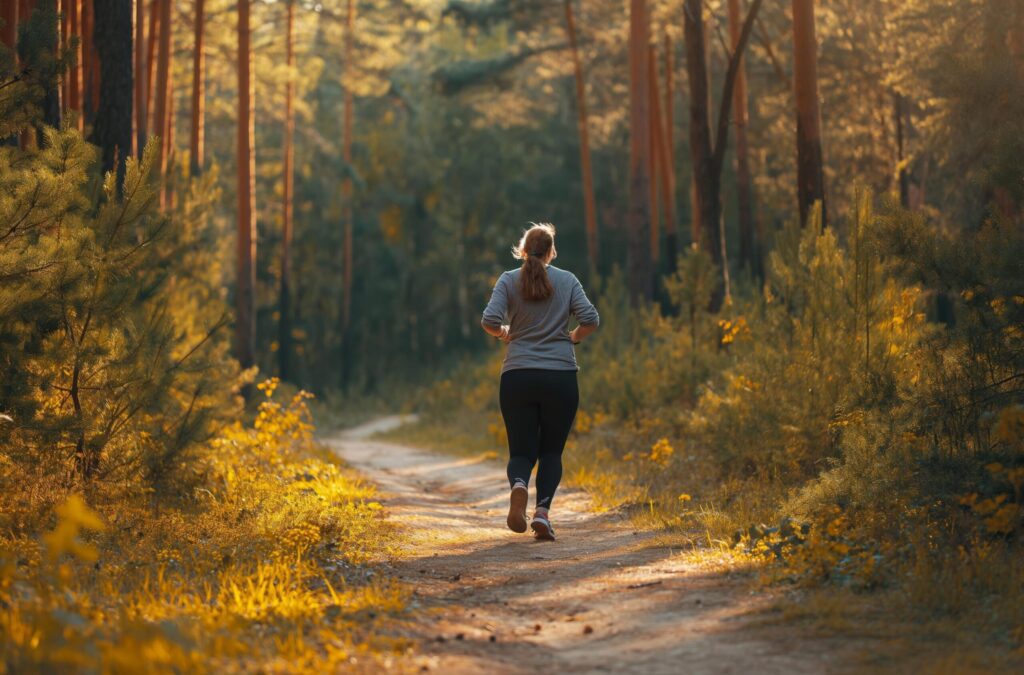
266,561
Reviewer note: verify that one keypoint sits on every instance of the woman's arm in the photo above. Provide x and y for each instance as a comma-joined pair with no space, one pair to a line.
580,332
494,313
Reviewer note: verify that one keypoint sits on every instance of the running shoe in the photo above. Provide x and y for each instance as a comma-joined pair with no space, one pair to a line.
517,507
542,528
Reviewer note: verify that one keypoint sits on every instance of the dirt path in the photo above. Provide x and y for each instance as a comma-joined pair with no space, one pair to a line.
603,598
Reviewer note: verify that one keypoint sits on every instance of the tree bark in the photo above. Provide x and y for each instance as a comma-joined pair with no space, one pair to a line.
245,299
163,68
198,93
346,192
672,228
284,341
707,157
141,79
74,74
810,172
663,156
9,32
744,189
112,130
639,219
589,201
152,39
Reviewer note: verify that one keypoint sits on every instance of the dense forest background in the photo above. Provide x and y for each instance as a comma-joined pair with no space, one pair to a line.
802,222
435,131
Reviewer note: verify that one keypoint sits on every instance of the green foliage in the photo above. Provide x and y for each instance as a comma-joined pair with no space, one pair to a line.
109,366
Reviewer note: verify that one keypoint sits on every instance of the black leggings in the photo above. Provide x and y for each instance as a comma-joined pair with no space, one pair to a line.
538,407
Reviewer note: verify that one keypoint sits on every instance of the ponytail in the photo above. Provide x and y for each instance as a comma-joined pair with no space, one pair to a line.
536,246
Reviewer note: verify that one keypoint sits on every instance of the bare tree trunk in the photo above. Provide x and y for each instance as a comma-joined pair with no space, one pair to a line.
163,69
744,189
708,157
74,73
152,39
663,156
346,192
141,69
672,227
245,298
640,207
198,94
284,340
652,161
9,32
112,130
589,201
65,40
810,173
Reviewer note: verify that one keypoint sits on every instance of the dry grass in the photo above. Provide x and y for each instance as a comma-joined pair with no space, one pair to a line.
270,563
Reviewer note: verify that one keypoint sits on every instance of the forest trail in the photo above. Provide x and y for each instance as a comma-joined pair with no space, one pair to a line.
603,598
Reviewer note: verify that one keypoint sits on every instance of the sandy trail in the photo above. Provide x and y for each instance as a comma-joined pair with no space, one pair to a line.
603,598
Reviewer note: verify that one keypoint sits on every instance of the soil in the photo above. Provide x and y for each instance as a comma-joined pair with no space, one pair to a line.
604,597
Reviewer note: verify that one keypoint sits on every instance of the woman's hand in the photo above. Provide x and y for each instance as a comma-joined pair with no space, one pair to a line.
579,332
504,335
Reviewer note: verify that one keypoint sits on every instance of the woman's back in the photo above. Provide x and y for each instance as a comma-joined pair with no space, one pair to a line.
539,330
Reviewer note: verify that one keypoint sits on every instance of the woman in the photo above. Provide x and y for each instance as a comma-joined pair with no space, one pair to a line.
538,390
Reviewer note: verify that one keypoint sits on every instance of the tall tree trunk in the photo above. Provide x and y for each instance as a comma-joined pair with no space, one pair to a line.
346,193
198,94
90,64
661,151
810,173
152,40
708,157
652,161
162,116
706,179
74,75
141,79
245,298
589,201
284,340
9,32
744,188
639,219
65,43
171,156
672,227
51,94
112,130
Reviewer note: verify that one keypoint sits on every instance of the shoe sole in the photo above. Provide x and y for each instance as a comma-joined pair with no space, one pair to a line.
517,509
542,530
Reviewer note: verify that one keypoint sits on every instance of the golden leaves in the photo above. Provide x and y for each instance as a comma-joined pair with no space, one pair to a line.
73,516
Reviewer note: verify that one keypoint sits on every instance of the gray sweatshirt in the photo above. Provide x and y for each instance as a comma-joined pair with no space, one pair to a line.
539,331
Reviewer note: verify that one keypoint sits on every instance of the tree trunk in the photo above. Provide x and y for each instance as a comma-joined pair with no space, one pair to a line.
74,74
744,189
639,219
90,64
589,201
652,160
810,173
112,130
706,179
245,298
163,70
707,157
152,39
284,341
661,150
198,94
672,227
346,193
141,79
65,43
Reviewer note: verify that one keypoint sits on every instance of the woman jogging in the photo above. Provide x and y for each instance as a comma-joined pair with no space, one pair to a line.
529,310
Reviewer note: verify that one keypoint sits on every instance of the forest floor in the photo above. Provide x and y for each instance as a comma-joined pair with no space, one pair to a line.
605,597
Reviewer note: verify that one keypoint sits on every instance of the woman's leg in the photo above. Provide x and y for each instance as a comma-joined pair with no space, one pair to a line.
561,398
521,413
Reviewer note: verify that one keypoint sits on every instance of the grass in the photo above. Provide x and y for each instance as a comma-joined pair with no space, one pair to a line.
268,557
